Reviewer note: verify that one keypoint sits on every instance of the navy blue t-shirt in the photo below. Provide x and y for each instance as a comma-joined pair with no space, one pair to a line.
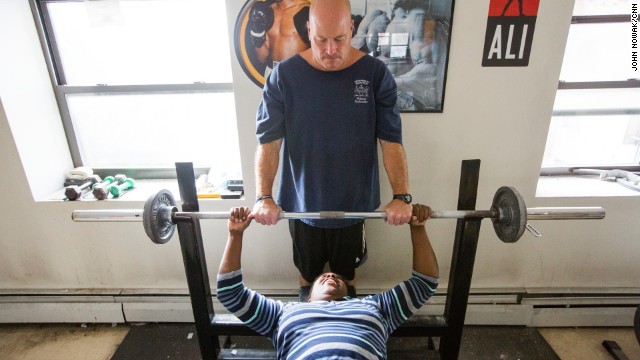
330,122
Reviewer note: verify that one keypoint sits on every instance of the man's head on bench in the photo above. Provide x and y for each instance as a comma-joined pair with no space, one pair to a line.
328,286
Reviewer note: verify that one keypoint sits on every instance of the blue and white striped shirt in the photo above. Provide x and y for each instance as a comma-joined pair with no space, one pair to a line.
352,329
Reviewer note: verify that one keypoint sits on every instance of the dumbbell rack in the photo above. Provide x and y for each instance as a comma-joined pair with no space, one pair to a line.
448,327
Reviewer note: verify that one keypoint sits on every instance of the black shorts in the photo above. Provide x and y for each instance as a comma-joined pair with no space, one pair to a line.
344,248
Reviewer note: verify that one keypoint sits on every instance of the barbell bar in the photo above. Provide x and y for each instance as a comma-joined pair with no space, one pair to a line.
508,213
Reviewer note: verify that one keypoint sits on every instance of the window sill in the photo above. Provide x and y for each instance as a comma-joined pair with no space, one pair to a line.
580,186
143,190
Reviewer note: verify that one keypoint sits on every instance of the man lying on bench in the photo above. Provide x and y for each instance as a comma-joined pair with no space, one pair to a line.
330,323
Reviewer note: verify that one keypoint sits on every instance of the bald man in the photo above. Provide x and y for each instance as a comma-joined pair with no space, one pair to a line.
326,108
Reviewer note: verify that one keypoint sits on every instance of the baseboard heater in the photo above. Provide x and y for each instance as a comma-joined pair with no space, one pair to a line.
535,307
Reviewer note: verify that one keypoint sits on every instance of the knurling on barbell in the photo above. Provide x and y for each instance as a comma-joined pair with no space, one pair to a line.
508,212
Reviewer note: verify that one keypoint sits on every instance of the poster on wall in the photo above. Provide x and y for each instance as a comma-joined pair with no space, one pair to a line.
509,32
410,36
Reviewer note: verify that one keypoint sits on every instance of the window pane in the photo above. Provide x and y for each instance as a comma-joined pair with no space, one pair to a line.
142,41
601,139
597,99
127,130
597,52
593,140
594,127
601,7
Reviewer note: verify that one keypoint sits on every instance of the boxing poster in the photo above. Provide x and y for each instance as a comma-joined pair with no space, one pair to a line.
410,36
509,32
270,31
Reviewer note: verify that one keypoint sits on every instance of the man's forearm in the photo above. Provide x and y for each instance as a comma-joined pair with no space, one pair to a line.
232,254
424,259
267,162
395,163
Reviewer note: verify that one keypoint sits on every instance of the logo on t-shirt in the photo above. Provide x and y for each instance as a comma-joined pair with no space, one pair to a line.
361,92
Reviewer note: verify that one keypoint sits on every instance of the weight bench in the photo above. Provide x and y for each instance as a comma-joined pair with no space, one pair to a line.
448,327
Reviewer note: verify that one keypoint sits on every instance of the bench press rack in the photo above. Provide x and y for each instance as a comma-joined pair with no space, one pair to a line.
448,327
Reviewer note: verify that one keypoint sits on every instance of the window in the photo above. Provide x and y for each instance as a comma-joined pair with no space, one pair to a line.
142,84
596,115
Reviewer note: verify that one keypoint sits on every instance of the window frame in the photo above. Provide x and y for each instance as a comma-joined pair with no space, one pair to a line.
62,89
582,85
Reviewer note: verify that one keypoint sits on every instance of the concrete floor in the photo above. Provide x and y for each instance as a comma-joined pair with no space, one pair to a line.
586,343
60,341
100,341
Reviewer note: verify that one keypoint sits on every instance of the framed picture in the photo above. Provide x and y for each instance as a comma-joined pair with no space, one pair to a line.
411,37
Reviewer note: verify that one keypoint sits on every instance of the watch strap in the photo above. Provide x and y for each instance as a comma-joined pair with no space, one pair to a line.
404,197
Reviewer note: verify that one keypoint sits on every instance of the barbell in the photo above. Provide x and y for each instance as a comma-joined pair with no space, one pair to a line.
508,213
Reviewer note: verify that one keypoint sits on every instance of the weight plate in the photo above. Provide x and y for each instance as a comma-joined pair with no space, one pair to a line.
512,214
156,216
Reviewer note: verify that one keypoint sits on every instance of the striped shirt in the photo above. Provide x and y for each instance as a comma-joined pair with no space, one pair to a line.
350,329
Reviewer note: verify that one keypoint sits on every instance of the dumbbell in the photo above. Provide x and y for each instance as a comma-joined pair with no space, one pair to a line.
106,181
101,191
118,190
73,192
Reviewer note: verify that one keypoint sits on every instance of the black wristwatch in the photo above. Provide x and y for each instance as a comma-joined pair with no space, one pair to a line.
404,197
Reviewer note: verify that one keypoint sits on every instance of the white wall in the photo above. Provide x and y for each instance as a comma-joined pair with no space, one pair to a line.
24,80
499,115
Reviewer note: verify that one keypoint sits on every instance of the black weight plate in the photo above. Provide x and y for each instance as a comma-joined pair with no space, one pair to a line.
512,214
156,216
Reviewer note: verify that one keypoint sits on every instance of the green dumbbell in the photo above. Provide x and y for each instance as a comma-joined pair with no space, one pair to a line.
106,181
116,191
101,192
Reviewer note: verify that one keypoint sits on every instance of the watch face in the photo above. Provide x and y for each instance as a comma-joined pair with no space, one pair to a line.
404,197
